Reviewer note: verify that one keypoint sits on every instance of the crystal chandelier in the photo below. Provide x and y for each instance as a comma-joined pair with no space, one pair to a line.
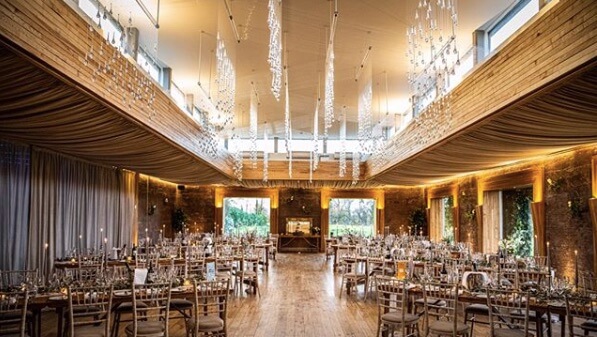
265,156
274,22
253,107
226,86
434,56
342,159
329,77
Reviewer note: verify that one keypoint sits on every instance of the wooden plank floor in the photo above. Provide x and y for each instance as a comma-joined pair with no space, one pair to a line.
299,298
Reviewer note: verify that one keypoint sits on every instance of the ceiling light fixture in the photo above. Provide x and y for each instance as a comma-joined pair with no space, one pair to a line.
316,135
329,75
274,22
434,56
287,124
356,167
226,86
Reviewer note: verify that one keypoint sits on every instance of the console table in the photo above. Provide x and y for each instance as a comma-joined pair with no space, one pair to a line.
299,243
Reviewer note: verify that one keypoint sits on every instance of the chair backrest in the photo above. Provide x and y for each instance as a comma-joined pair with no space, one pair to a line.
392,296
14,279
441,301
211,299
507,274
530,278
88,306
13,312
508,309
579,310
89,267
156,296
588,282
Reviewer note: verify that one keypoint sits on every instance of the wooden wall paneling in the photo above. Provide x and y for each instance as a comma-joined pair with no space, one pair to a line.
57,39
565,33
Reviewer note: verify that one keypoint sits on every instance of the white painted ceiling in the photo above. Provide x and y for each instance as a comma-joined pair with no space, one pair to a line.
186,40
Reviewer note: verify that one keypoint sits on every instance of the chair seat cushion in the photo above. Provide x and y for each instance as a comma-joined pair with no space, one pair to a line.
432,301
207,323
441,327
128,306
181,304
90,331
147,328
589,325
396,317
477,309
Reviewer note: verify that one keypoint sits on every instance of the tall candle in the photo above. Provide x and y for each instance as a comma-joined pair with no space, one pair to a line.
101,236
576,268
536,247
549,267
80,250
106,251
44,260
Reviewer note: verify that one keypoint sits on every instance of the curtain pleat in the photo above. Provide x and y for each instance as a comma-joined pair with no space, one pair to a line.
75,206
491,221
14,207
436,219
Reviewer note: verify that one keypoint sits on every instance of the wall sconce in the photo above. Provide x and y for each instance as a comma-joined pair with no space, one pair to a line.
152,209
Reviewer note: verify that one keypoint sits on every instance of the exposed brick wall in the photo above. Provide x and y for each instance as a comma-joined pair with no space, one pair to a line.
467,202
399,204
198,202
160,201
568,223
299,203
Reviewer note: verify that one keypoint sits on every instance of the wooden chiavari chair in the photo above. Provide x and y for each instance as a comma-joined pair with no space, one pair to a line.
581,314
89,310
509,313
211,302
392,307
13,314
152,317
441,303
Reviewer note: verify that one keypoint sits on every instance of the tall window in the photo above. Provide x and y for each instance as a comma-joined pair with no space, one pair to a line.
517,222
448,219
520,13
352,216
246,215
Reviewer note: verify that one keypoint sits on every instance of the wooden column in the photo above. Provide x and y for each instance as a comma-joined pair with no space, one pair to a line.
325,227
593,208
538,210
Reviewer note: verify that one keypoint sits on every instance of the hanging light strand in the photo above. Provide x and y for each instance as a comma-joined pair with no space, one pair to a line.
226,86
329,76
265,156
287,124
253,110
274,22
342,160
356,167
316,136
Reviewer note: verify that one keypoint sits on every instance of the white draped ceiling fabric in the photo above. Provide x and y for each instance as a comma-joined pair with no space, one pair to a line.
39,109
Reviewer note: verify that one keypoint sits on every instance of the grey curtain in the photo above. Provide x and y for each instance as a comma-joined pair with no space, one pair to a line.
14,204
76,206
